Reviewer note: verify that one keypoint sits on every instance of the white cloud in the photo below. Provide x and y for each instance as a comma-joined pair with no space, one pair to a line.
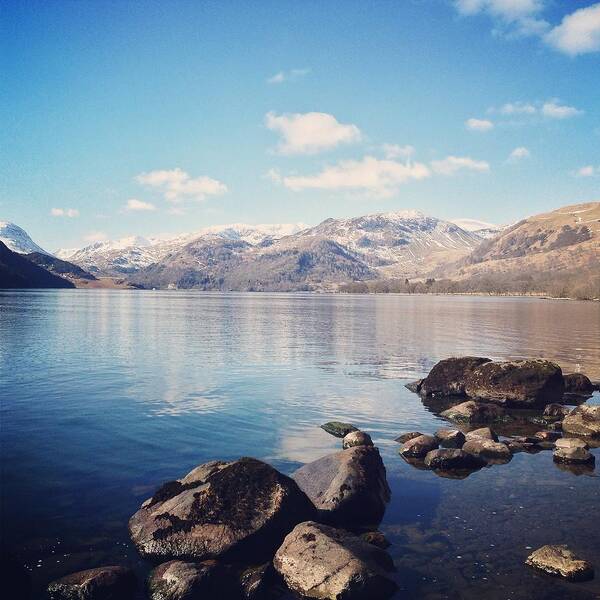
176,184
518,154
554,110
392,151
479,124
311,132
451,164
134,205
578,32
370,174
291,75
518,108
587,171
273,175
95,236
64,212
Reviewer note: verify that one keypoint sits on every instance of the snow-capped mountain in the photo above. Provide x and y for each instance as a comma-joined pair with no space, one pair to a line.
481,228
130,254
17,239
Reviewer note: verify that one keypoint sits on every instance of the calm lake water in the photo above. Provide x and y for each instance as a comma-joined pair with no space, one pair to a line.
107,394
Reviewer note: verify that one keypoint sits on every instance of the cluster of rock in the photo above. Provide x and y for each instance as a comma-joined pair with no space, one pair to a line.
243,530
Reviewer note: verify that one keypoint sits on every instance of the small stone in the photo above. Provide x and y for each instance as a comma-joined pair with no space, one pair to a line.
583,420
450,438
257,583
338,428
419,446
484,432
556,411
103,583
357,438
547,436
475,412
376,538
572,450
561,562
407,436
569,443
488,449
447,459
579,384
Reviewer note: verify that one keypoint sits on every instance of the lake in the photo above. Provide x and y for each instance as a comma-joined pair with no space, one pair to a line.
107,394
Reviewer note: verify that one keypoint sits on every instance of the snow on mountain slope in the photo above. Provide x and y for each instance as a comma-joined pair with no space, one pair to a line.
481,228
404,243
17,239
130,254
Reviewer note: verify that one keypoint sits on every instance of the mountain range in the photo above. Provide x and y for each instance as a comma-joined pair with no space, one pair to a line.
559,247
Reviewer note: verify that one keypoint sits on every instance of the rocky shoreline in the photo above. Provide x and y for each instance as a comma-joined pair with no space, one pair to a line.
242,530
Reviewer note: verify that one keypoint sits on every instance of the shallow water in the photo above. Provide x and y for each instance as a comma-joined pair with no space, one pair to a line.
106,394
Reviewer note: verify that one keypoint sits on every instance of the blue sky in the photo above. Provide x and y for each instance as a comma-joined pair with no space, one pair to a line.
123,118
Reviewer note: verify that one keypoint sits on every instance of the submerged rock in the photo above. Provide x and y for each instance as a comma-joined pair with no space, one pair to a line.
338,428
356,438
376,538
583,420
419,446
561,562
349,488
317,561
519,383
450,438
447,459
258,583
239,510
102,583
573,450
488,449
447,378
475,412
178,580
483,432
407,436
578,384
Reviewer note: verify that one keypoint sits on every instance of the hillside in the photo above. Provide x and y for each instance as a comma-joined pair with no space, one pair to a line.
59,267
17,239
17,271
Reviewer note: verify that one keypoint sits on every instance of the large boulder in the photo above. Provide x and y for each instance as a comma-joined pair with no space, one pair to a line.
450,438
317,561
583,420
447,459
483,432
238,510
578,384
561,562
349,488
418,447
447,378
475,412
404,437
102,583
518,383
178,580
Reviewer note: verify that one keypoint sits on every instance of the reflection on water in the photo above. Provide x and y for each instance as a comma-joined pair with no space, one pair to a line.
106,394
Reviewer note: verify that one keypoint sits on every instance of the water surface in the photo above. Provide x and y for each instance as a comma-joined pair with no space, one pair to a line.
106,394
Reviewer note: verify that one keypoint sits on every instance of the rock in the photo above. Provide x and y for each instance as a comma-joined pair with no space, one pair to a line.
555,411
578,384
338,429
547,436
349,488
572,450
475,412
518,384
178,580
583,420
357,438
376,538
419,446
317,561
517,446
447,459
102,583
407,436
484,432
488,449
450,438
241,510
560,561
447,378
414,386
258,583
576,469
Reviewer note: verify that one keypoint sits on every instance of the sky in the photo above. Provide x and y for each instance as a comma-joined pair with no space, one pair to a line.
155,118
